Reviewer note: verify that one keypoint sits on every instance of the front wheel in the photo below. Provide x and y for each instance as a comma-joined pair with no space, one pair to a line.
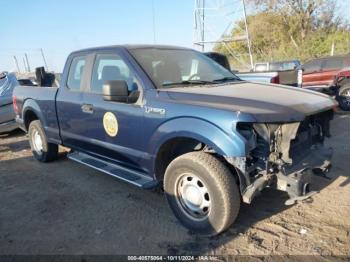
343,97
42,150
202,193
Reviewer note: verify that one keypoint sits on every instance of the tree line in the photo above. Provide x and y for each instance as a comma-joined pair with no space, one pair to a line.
289,29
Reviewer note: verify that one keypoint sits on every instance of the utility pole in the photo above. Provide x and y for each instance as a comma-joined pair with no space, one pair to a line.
203,24
333,49
16,64
248,37
25,65
42,54
28,66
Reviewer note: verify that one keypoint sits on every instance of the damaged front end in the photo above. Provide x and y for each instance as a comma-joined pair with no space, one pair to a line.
284,156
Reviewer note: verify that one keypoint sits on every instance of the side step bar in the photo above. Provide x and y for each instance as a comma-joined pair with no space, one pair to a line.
127,175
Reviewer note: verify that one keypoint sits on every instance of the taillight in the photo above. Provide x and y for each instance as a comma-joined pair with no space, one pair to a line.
275,80
14,102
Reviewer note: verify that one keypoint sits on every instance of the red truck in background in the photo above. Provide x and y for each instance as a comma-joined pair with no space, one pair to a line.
321,72
330,75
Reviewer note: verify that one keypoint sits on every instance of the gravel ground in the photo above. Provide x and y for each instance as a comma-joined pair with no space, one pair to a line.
66,208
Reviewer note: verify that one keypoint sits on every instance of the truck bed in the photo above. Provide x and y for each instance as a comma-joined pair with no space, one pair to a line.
41,100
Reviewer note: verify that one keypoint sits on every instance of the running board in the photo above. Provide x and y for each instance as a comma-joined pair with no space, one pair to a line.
127,175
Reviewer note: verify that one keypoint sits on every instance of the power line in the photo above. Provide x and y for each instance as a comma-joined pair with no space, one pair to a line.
207,16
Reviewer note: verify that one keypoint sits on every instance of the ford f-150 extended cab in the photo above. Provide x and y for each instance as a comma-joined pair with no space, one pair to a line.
172,117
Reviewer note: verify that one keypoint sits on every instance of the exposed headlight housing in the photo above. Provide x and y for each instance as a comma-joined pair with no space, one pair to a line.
247,131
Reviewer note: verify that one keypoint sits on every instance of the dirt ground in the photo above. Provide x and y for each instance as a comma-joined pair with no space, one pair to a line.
66,208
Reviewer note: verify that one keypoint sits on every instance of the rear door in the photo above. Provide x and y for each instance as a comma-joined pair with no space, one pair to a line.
69,103
124,146
311,73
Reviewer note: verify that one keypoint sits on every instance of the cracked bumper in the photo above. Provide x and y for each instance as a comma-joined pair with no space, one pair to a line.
297,179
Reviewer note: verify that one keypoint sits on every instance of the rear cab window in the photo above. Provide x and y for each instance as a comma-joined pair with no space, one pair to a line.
75,74
283,66
261,67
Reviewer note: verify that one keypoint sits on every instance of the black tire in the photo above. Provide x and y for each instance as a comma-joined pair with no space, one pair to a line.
218,181
49,151
343,97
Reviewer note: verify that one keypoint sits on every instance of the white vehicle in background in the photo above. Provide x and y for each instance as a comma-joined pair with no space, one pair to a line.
290,77
279,66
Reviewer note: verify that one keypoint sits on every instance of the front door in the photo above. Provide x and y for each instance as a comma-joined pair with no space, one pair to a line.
114,130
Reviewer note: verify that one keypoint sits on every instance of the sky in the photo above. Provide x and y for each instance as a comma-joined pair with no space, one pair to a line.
62,26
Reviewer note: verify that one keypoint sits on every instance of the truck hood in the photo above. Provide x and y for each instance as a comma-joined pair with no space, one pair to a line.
263,102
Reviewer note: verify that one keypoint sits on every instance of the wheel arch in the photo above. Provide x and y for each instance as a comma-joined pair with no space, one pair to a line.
31,112
181,136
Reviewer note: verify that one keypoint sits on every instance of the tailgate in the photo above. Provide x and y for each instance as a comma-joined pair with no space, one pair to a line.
289,78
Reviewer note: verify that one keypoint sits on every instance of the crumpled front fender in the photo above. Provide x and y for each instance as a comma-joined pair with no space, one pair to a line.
223,143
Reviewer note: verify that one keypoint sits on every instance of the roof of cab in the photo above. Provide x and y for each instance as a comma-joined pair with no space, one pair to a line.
130,47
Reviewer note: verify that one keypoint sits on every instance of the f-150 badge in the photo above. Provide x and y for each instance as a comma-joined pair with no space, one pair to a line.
110,124
154,110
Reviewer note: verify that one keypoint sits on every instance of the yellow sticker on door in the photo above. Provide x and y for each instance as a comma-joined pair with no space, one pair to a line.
110,124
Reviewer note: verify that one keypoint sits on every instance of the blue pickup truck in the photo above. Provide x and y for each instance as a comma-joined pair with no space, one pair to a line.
170,117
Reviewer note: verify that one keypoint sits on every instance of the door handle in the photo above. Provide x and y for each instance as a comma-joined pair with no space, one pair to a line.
87,108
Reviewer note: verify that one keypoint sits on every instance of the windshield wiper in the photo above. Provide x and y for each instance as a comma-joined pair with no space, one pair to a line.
226,79
190,82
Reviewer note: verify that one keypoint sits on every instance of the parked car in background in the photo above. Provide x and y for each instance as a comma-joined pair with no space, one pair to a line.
319,73
8,81
220,59
289,77
277,66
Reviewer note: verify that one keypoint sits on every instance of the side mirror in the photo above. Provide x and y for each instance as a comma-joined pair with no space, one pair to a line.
116,90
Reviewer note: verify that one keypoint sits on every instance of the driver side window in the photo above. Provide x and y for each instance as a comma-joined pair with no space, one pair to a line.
111,67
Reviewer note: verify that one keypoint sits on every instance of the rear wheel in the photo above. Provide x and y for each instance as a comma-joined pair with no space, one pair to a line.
343,97
41,149
202,193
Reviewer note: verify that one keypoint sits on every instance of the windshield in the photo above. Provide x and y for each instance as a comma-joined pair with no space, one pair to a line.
174,67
